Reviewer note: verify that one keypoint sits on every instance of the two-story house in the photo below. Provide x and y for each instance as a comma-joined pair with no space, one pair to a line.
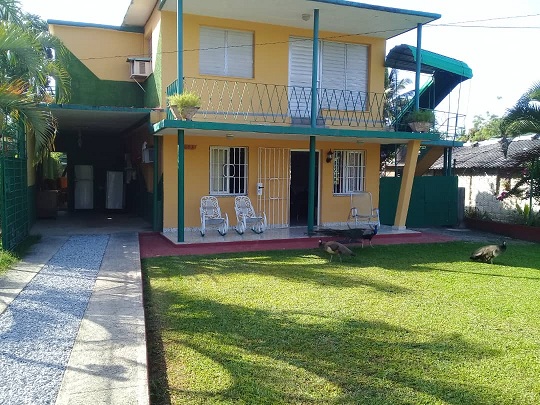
293,109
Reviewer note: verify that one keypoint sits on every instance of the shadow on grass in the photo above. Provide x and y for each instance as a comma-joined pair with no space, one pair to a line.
270,357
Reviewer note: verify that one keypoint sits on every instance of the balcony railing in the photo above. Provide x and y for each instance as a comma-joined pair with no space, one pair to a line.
248,102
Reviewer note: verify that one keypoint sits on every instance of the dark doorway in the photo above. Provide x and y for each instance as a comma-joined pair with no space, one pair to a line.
299,188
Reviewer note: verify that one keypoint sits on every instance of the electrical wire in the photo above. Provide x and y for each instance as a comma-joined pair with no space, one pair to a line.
341,36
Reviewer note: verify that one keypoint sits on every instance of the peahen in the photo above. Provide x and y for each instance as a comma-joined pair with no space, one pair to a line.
336,248
487,253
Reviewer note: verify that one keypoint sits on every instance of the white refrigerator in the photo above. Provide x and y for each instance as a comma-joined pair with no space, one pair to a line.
115,191
84,187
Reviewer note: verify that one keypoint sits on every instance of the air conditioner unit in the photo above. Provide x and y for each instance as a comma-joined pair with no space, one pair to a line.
140,68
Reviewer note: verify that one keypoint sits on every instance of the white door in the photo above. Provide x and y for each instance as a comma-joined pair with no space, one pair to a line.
275,178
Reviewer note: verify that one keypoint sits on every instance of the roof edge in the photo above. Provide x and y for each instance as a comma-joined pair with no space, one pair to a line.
348,3
137,30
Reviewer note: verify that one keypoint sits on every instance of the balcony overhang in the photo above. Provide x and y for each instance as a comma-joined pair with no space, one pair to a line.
341,16
238,130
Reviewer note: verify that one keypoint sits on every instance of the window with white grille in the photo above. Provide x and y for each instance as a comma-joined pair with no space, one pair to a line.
226,53
228,170
349,171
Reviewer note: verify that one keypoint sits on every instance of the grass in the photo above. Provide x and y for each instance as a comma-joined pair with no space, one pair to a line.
401,324
8,258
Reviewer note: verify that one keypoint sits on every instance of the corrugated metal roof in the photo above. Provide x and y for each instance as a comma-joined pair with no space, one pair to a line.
489,154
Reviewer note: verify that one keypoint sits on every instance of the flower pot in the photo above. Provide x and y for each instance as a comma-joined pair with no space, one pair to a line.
420,126
186,113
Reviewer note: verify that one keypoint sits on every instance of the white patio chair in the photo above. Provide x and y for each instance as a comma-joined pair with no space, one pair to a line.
211,215
362,214
246,216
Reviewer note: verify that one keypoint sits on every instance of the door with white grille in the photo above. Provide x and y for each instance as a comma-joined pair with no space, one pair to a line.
274,178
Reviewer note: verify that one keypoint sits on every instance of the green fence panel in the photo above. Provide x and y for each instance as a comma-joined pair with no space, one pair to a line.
13,191
433,201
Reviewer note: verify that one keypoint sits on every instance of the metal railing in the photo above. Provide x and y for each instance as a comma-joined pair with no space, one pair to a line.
249,102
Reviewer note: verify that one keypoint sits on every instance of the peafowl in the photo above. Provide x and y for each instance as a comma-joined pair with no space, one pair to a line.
336,248
487,253
368,234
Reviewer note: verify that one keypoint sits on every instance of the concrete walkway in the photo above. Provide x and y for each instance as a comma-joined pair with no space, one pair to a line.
107,364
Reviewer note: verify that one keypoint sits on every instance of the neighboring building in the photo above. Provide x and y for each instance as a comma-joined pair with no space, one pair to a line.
485,173
259,131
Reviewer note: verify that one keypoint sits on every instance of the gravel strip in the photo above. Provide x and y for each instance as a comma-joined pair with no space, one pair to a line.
38,329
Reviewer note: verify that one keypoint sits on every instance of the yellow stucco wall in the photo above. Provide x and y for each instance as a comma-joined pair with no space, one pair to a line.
197,161
270,66
270,61
103,51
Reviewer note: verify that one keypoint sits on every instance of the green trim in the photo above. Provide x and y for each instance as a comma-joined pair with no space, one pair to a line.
315,69
433,16
83,107
445,143
289,130
126,28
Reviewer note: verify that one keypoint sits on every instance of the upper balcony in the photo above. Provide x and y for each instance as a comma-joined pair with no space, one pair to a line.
231,101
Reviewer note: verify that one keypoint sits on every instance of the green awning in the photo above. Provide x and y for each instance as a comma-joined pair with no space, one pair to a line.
403,57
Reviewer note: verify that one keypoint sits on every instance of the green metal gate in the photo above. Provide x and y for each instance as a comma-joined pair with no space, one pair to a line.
434,201
13,190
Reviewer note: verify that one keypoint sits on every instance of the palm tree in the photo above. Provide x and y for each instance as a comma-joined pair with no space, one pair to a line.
26,69
524,117
396,98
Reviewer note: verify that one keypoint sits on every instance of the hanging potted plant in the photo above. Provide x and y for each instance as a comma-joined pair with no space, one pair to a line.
420,120
184,105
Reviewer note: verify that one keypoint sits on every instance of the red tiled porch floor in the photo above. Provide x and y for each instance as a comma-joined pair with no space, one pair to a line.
154,244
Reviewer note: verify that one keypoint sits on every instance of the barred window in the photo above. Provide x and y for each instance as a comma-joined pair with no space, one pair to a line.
228,170
349,171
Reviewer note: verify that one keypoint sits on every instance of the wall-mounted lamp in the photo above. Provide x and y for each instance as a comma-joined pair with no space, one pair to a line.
329,156
229,136
306,17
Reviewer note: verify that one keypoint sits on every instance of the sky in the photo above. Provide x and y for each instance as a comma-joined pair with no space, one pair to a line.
496,39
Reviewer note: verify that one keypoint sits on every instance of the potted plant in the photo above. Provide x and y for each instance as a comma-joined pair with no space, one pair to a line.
420,120
184,105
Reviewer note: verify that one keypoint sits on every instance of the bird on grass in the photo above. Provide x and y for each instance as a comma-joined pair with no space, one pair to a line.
336,248
487,253
368,234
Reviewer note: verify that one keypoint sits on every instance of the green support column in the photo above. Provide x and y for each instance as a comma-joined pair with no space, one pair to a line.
156,226
311,186
418,67
180,89
314,114
180,46
181,192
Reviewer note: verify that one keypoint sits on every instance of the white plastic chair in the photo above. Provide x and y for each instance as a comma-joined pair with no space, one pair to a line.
246,216
211,215
362,214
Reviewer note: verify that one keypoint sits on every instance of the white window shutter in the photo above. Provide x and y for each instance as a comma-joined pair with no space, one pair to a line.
333,73
300,62
239,54
212,51
357,68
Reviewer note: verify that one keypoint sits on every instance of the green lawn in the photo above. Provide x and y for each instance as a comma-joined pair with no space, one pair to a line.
7,258
402,324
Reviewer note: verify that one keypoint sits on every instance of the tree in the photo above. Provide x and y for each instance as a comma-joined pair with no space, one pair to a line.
484,127
524,117
27,68
396,96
